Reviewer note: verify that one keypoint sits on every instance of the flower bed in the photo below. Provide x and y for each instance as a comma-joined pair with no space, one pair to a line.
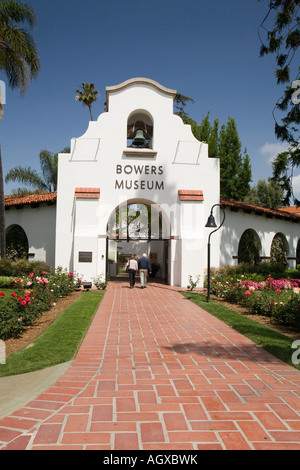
277,298
32,295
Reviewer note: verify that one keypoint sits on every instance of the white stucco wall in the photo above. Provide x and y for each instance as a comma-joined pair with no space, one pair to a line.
266,228
39,226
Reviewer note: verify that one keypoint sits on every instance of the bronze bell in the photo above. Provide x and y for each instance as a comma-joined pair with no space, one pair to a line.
139,139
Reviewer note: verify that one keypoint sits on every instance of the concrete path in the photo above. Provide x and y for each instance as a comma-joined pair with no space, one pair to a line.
156,372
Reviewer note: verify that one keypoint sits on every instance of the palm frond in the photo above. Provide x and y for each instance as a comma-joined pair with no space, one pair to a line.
26,176
18,54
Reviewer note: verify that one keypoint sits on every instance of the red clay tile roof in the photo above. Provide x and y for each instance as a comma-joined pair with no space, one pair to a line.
32,199
291,210
258,210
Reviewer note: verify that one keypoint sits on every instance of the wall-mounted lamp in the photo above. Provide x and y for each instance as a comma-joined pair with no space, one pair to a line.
211,223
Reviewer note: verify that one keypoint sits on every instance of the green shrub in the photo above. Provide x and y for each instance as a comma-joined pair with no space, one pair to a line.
6,267
23,267
291,274
288,313
6,282
262,302
11,324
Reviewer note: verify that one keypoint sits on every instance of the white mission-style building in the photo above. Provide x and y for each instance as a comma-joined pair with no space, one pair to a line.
138,181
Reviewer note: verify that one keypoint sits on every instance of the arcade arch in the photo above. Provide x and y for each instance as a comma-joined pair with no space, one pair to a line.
17,245
298,253
279,248
249,248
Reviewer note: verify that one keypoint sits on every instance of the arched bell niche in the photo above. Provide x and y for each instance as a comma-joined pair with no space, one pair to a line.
140,130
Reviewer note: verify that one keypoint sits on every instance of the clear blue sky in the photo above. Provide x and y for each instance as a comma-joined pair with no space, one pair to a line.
207,50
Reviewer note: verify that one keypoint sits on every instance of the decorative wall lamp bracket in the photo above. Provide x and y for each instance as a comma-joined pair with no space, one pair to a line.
211,223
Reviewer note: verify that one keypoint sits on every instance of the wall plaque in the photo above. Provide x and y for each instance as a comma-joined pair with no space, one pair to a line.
85,256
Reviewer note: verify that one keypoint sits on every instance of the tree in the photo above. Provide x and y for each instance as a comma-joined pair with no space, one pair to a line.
87,96
19,61
45,182
180,101
282,38
235,170
266,194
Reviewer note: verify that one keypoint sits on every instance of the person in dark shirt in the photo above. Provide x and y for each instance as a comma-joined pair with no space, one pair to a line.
145,268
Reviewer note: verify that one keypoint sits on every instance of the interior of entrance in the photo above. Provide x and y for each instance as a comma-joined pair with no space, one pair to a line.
134,228
157,251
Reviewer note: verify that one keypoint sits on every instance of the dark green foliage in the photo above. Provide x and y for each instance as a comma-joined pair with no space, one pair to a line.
22,267
249,248
280,35
266,194
224,143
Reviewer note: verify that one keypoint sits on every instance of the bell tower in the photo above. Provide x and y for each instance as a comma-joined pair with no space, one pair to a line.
137,154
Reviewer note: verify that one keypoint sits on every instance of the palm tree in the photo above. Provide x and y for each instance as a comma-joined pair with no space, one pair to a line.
46,181
20,63
19,59
87,96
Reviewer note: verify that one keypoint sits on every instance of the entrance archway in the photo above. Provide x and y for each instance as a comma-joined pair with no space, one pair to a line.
135,227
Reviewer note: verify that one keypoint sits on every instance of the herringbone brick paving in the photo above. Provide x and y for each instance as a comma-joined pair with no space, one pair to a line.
156,372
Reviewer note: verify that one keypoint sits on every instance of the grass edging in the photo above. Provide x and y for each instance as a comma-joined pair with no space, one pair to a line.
60,342
275,343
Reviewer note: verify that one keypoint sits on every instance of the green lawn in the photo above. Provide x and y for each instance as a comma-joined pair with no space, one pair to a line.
60,342
272,341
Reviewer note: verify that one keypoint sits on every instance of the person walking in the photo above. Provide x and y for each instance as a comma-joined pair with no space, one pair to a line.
145,268
132,267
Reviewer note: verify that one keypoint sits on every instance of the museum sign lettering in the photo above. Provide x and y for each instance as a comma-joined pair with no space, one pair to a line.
128,171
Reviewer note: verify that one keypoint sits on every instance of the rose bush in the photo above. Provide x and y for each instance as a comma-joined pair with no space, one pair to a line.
32,295
277,298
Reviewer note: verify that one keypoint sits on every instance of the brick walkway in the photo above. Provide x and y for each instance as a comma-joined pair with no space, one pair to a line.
156,372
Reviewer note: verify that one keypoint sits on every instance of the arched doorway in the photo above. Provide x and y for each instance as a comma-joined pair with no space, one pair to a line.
136,227
16,242
279,250
249,247
298,253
